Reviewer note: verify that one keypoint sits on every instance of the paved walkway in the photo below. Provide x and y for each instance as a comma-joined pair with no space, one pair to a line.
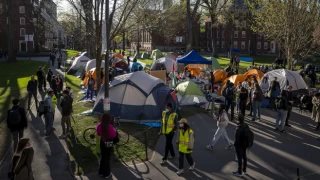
51,160
273,156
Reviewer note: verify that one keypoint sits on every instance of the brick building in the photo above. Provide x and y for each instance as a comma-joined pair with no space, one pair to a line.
38,19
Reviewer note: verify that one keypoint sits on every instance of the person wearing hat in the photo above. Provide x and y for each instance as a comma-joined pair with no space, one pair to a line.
168,128
185,142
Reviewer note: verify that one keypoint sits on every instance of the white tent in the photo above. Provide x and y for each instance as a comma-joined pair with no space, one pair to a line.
285,78
166,61
79,62
92,64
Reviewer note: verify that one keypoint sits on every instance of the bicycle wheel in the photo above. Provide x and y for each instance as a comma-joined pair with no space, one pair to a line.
89,135
123,137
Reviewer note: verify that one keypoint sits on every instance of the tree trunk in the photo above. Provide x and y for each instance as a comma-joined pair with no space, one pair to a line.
189,28
11,53
214,37
253,43
124,40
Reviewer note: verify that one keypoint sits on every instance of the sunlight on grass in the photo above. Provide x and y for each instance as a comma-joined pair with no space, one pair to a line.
72,53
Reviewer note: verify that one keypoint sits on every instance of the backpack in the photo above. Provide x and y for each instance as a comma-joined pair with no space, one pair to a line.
43,107
279,103
230,93
248,137
224,92
14,117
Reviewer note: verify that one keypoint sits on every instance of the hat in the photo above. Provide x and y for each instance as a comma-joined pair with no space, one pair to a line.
183,120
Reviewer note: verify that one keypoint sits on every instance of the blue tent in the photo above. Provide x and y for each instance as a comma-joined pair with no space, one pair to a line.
193,58
135,97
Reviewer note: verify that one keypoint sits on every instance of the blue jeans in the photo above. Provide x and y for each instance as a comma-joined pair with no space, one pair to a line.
256,105
48,117
90,92
281,116
230,104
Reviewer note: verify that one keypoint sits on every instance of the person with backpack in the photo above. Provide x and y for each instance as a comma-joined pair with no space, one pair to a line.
230,99
244,138
169,126
32,91
222,123
41,79
54,85
49,111
273,92
185,143
16,121
282,107
257,99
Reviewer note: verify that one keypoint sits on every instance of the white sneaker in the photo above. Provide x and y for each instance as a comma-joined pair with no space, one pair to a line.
228,147
192,167
163,162
181,171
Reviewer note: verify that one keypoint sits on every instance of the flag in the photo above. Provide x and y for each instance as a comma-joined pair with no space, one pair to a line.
174,96
174,79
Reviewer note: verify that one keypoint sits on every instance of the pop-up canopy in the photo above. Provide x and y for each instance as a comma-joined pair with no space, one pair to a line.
193,58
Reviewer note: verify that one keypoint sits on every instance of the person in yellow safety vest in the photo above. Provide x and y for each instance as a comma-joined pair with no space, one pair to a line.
168,128
185,142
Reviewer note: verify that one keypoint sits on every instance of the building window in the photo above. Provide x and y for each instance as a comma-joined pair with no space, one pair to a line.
22,21
22,31
243,34
235,34
243,45
258,45
21,9
265,45
222,44
235,44
218,34
179,39
222,34
217,44
244,24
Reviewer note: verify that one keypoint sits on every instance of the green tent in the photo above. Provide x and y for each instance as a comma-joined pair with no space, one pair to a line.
145,56
156,54
215,64
137,55
189,88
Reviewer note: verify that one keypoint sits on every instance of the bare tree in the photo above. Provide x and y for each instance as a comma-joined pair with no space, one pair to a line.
190,19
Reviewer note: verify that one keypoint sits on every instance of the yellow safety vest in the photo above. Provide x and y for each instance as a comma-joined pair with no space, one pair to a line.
184,141
170,124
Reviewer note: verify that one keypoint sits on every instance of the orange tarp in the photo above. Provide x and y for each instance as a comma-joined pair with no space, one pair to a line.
254,72
94,74
194,71
235,79
220,75
118,55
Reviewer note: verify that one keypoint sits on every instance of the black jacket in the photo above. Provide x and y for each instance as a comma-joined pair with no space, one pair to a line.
23,123
40,74
66,105
239,137
54,84
49,76
32,86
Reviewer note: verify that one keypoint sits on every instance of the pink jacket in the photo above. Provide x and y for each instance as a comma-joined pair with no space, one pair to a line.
112,132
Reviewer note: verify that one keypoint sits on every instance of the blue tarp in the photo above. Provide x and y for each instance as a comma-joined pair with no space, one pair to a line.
193,58
247,59
234,49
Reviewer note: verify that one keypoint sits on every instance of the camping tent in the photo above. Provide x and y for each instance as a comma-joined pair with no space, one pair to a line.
92,64
235,79
122,65
193,58
164,61
220,75
94,75
171,56
156,54
145,55
118,56
254,72
79,62
135,96
189,93
84,54
195,71
285,78
135,66
215,64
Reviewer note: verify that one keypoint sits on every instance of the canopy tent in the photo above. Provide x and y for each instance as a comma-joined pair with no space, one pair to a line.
215,64
135,97
285,78
156,54
193,58
220,75
254,72
195,71
234,49
93,64
118,56
135,66
235,79
171,56
189,93
79,62
94,75
121,65
166,62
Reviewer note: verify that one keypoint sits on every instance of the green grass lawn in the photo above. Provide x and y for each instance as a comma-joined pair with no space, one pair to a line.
72,53
13,83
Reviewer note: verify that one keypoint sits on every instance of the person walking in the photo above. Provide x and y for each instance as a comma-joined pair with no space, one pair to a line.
49,115
230,99
273,92
22,160
90,87
16,121
222,122
290,104
185,142
32,91
41,78
54,85
168,128
316,110
282,107
243,98
59,84
66,105
256,101
107,133
241,146
59,62
49,77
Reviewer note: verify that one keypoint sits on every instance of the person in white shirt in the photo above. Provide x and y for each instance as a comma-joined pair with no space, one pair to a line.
222,122
49,115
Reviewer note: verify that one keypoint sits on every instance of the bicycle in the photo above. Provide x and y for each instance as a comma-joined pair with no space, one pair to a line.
89,135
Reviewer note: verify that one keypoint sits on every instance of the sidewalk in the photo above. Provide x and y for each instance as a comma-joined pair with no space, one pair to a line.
51,160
